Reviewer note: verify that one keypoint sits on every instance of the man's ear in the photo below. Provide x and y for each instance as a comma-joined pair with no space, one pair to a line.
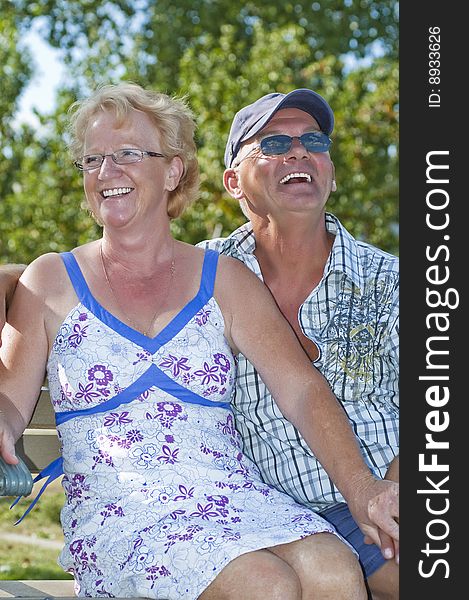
174,174
232,185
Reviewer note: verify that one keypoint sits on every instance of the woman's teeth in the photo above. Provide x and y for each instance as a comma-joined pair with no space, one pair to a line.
116,192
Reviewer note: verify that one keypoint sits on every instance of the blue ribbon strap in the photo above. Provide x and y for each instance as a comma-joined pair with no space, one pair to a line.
52,472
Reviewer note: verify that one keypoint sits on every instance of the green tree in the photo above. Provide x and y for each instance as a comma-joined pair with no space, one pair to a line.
221,55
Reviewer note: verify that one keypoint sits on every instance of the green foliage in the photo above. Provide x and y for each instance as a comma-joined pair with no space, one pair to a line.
221,55
26,560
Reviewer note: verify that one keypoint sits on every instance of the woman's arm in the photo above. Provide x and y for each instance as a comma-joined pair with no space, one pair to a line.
255,327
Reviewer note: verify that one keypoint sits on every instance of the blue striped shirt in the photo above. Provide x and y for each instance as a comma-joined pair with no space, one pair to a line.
352,316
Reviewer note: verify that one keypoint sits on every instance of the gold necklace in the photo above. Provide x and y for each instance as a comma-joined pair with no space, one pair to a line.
146,330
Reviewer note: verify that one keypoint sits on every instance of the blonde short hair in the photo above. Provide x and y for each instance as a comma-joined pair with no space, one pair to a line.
172,116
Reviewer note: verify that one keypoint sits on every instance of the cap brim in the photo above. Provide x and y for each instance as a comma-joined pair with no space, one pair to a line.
303,99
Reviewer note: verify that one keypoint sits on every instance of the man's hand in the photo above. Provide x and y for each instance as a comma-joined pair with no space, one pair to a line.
3,316
376,511
9,275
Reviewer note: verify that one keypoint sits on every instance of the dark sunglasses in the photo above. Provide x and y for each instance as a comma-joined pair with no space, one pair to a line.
314,141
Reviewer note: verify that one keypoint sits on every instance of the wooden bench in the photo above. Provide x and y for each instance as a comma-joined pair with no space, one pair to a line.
39,444
37,447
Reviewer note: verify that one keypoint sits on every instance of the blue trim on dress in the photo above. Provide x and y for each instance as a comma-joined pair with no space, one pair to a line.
152,345
152,376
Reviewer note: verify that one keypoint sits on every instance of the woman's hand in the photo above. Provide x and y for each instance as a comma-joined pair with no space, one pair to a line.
12,426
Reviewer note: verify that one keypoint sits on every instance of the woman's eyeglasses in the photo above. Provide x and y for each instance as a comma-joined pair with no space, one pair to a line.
125,156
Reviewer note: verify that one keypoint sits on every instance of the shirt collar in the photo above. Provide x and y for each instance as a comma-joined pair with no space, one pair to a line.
345,253
344,256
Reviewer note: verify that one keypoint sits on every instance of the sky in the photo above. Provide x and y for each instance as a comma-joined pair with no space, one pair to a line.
48,72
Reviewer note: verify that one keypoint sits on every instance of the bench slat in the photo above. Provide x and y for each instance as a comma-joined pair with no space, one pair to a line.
43,416
38,447
37,589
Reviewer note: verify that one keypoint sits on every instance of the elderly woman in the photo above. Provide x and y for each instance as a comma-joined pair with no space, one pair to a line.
139,334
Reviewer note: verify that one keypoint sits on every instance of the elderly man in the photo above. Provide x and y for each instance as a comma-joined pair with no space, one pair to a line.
340,297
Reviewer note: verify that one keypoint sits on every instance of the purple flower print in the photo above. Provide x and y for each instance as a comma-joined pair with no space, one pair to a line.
168,412
102,457
208,373
204,512
218,499
134,436
117,419
213,389
100,374
145,395
86,392
154,572
65,394
184,493
142,357
169,457
202,316
227,427
175,364
76,338
169,408
187,378
82,317
222,361
303,517
111,509
76,547
231,536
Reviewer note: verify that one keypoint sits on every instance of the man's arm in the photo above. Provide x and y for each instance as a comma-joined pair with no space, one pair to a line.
255,327
9,275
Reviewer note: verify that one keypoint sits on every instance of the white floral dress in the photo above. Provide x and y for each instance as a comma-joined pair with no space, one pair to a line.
159,496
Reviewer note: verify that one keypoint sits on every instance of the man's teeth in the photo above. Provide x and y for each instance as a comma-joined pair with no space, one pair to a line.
116,192
296,176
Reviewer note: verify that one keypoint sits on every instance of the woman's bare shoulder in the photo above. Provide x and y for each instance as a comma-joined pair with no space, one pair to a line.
44,275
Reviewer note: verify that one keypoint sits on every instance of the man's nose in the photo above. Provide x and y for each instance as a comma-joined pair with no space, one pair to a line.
297,148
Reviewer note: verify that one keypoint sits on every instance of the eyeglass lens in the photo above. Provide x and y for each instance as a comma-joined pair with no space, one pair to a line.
124,156
314,141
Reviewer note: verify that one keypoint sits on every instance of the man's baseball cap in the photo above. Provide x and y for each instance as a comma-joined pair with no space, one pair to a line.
252,118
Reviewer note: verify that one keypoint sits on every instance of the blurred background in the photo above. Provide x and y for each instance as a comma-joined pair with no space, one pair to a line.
221,55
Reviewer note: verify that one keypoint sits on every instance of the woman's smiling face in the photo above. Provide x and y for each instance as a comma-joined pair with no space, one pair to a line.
119,194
